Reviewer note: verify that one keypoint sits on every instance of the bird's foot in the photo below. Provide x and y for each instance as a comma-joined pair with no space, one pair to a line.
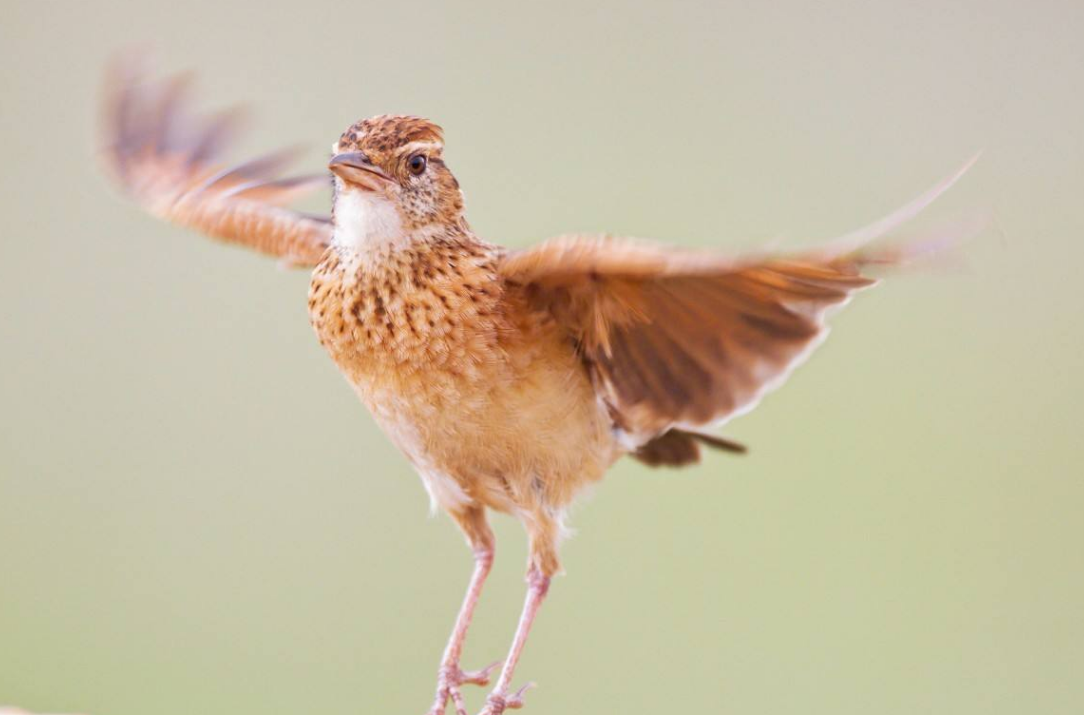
448,681
497,703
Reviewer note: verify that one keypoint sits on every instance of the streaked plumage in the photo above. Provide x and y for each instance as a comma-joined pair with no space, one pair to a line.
510,379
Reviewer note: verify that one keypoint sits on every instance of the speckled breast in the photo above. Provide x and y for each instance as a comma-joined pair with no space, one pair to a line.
420,322
480,392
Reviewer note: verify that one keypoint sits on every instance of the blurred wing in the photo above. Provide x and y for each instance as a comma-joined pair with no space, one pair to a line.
689,339
169,163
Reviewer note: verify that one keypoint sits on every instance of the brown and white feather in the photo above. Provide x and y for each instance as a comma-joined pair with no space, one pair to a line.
170,163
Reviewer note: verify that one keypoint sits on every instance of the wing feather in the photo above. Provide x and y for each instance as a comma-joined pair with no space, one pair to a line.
688,339
169,163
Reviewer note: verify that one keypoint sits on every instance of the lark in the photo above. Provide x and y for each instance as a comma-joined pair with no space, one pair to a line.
510,379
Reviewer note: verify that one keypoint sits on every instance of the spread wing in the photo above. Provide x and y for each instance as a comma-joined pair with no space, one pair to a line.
687,339
168,161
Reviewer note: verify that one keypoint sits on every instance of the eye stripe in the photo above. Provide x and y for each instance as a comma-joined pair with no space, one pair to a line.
426,146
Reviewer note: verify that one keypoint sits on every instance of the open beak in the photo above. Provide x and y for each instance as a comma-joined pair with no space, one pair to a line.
355,167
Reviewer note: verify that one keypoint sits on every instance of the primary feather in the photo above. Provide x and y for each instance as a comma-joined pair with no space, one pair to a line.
170,164
689,339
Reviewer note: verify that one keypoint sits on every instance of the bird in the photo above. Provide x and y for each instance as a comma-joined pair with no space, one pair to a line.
510,379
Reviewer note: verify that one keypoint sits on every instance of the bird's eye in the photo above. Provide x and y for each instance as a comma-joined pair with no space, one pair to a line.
417,164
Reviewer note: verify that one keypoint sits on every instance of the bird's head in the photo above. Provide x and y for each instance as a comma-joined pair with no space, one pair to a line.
391,179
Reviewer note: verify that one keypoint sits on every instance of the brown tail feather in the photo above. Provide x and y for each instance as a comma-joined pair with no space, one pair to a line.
676,448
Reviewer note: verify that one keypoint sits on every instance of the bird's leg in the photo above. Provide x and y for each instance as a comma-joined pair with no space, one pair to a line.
499,700
543,564
451,676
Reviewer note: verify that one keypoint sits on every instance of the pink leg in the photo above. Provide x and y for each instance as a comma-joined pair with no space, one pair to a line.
451,676
499,700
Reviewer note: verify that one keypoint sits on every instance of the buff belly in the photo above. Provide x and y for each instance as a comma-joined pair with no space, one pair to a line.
518,441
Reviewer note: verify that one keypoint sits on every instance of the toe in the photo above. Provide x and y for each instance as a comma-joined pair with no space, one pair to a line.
516,701
478,677
497,703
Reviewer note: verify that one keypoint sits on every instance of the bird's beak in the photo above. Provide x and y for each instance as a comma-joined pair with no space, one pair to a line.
355,167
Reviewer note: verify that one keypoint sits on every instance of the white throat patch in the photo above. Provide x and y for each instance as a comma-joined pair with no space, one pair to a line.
365,220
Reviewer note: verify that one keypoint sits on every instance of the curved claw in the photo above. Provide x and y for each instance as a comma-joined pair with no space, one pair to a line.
478,677
497,704
516,701
450,680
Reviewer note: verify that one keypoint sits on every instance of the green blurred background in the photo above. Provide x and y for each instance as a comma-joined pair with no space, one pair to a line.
196,515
